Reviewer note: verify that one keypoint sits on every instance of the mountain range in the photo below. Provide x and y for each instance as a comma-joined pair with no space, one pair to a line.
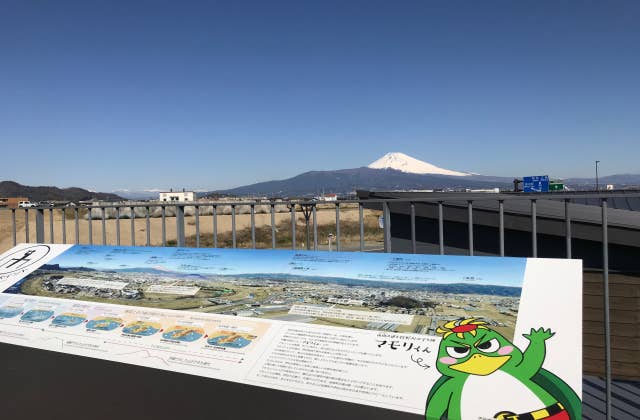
393,171
13,189
398,171
344,181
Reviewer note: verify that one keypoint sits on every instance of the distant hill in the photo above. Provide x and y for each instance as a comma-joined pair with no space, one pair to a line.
344,181
619,181
462,288
398,171
13,189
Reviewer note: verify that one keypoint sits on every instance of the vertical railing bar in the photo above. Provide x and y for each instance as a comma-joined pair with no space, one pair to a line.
605,296
440,227
197,216
64,227
133,226
26,225
90,224
51,237
233,224
14,227
253,226
163,224
567,226
307,215
293,226
413,228
338,247
315,228
39,225
215,226
501,225
273,226
470,225
361,222
387,226
148,225
534,228
118,226
77,224
104,226
180,236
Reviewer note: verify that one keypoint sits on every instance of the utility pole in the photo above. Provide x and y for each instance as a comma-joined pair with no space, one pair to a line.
597,183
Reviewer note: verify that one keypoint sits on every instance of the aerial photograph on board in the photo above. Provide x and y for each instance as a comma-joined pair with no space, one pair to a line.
397,293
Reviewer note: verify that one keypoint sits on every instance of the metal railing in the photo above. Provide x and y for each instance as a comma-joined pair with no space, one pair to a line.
310,209
131,211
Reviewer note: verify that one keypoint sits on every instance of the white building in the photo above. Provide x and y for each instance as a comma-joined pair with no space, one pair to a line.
345,301
327,197
178,196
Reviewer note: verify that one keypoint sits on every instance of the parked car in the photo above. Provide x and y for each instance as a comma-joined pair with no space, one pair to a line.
26,204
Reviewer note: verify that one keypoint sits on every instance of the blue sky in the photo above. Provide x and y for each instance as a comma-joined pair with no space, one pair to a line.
388,267
156,94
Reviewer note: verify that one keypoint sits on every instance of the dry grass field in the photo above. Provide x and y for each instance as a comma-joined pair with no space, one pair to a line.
326,223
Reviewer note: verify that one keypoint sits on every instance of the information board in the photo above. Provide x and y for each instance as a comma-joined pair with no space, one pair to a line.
535,183
424,334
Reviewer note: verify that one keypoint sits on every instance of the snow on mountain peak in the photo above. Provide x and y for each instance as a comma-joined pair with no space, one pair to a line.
401,162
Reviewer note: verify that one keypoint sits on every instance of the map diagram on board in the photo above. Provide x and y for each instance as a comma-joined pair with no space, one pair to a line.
415,333
400,294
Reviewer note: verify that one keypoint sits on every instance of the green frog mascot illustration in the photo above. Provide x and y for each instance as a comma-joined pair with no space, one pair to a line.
480,367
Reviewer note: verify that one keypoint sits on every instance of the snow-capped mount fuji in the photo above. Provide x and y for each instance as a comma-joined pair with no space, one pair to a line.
392,172
405,163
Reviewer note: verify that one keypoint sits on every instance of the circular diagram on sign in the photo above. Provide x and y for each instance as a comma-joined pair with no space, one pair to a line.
23,258
68,319
183,333
230,339
37,315
10,311
143,328
104,324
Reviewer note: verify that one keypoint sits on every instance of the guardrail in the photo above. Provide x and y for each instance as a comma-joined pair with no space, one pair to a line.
309,209
179,210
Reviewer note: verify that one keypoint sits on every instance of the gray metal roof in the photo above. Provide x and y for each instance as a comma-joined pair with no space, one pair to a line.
625,399
622,203
623,209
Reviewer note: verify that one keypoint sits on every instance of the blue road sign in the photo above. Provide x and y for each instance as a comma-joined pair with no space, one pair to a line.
535,183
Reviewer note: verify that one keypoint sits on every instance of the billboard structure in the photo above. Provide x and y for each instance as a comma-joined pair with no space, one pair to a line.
423,334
